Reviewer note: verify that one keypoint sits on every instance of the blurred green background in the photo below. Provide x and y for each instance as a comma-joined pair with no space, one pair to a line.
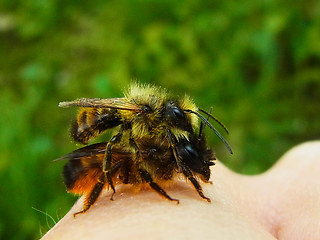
256,62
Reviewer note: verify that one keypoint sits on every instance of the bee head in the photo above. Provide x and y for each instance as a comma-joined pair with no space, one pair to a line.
175,116
145,109
196,155
146,116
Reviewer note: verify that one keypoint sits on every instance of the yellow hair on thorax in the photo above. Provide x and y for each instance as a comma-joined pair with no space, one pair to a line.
146,94
156,97
187,104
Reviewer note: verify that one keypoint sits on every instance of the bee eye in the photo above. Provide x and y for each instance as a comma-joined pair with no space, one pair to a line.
146,109
177,113
173,113
191,152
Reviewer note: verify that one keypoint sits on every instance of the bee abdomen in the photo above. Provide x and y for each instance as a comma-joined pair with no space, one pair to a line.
91,122
71,173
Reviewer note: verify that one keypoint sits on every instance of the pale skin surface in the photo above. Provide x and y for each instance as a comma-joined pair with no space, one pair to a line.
283,203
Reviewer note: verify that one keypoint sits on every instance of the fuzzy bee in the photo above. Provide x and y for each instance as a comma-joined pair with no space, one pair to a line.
155,140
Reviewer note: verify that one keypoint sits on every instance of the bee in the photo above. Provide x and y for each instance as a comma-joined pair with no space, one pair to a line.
155,140
83,174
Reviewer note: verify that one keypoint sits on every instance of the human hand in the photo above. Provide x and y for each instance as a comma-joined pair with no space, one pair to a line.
283,203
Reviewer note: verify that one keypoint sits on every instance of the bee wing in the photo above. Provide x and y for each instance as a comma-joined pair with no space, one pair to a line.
97,149
87,151
117,103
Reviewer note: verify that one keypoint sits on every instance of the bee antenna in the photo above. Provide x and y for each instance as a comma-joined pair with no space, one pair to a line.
212,117
202,126
210,126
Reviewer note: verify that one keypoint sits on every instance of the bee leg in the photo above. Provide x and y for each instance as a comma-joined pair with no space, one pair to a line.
146,176
107,160
90,199
97,189
194,182
133,144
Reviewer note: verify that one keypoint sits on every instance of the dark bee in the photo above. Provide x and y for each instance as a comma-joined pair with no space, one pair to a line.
83,174
155,140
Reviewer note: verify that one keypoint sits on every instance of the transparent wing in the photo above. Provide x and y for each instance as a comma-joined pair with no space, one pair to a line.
87,151
117,103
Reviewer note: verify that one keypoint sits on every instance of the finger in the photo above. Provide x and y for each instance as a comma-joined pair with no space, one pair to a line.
290,192
286,199
145,215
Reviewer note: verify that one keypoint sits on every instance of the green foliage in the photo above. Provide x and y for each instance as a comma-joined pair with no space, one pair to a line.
256,62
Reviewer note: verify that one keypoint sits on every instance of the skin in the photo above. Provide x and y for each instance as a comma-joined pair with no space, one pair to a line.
282,203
